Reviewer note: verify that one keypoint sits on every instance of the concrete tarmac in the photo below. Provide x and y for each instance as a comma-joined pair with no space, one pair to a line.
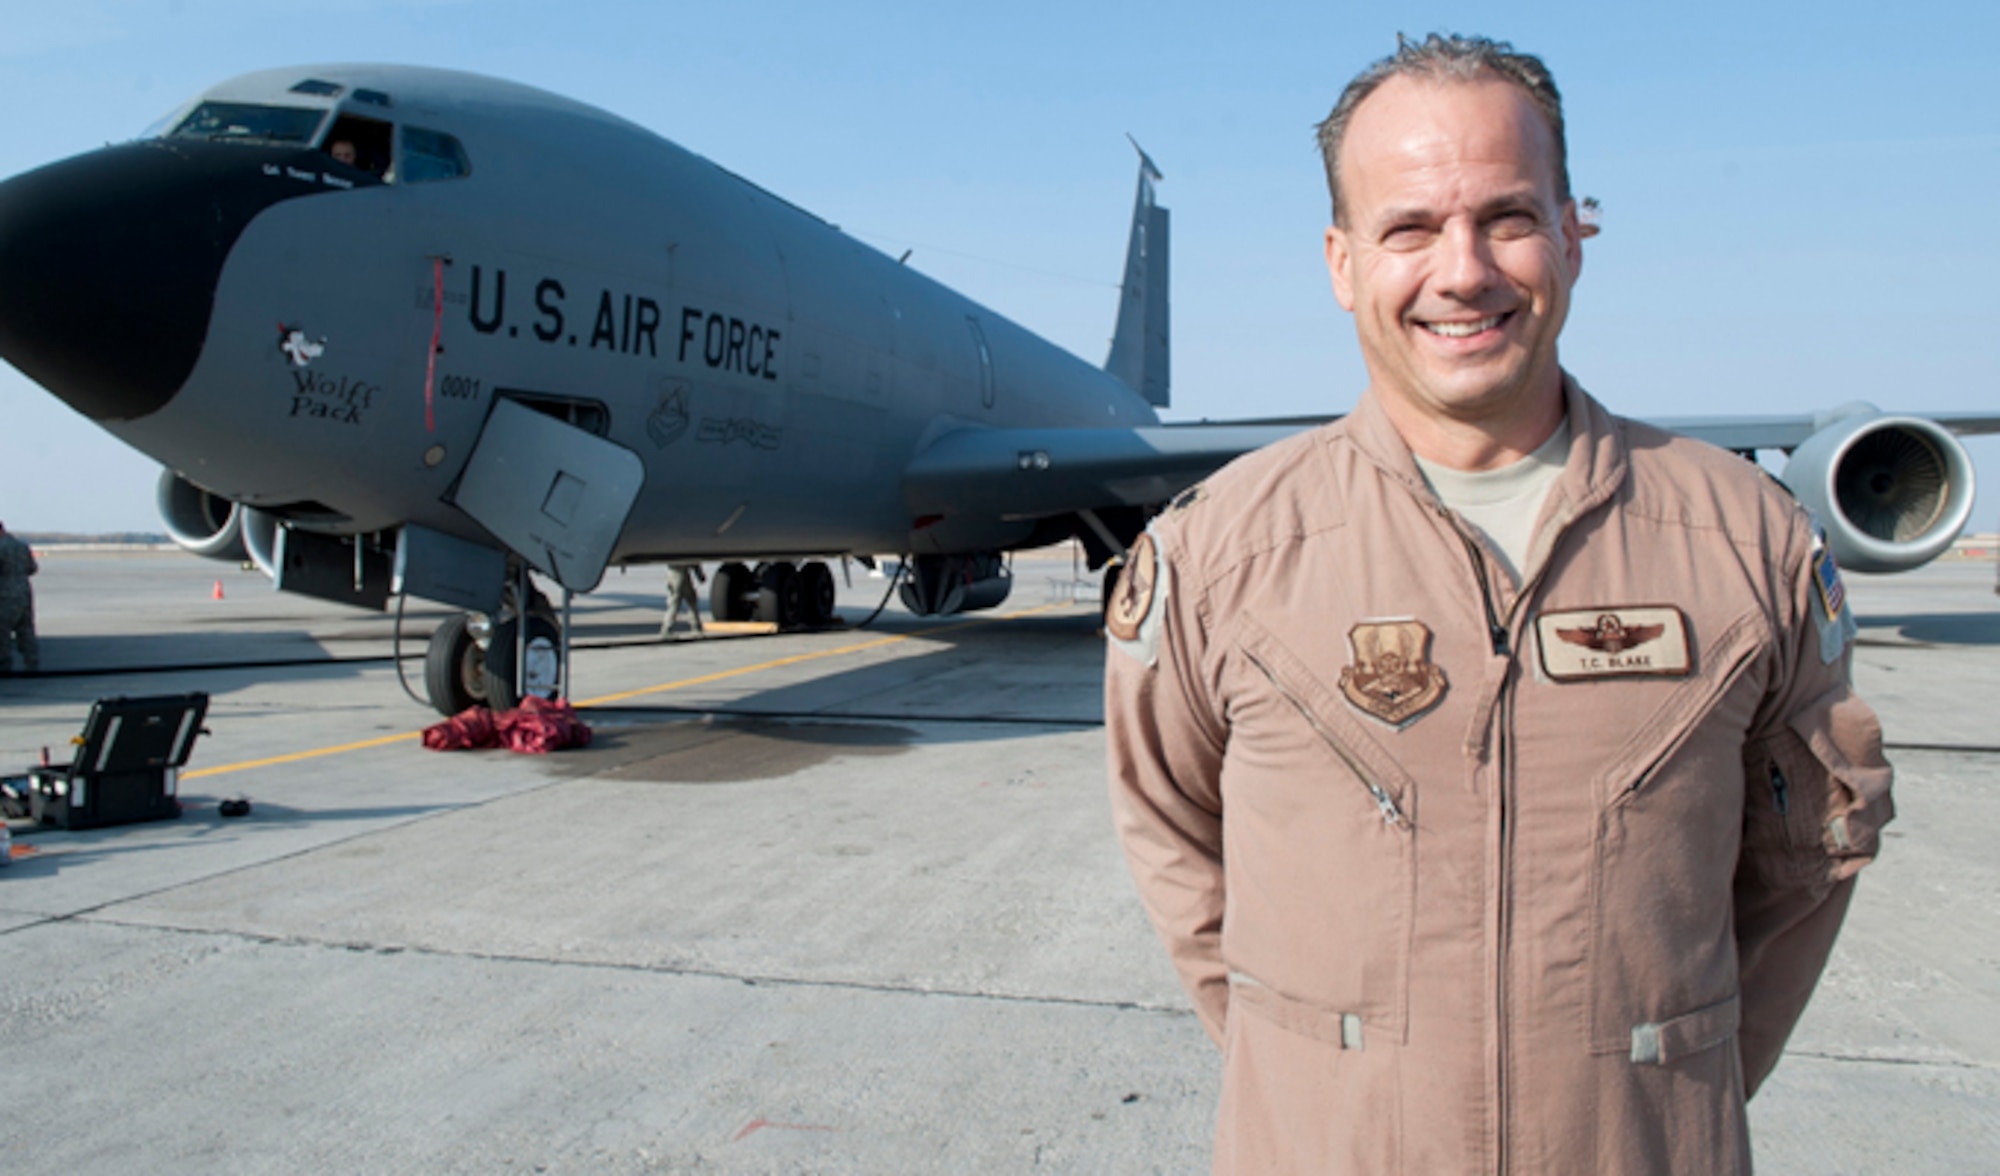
843,901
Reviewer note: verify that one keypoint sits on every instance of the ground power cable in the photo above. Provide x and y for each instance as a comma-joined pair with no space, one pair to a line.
396,652
902,566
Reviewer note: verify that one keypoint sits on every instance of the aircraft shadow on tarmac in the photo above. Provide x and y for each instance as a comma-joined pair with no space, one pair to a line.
255,654
1961,628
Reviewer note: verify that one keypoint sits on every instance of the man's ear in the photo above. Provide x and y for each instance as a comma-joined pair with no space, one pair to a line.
1338,257
1572,233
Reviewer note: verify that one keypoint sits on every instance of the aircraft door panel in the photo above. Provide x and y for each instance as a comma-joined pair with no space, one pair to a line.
554,493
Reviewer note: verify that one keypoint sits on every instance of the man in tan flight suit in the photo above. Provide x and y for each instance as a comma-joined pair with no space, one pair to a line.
1487,762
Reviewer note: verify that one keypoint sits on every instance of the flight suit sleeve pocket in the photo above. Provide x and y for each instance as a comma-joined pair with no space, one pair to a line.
1662,1043
1826,796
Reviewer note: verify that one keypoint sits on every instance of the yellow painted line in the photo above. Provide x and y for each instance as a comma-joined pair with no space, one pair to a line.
605,700
296,756
738,628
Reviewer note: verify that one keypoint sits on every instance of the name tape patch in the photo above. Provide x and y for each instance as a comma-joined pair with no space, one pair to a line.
1613,641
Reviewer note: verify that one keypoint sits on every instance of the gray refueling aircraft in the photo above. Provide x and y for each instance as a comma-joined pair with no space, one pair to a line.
404,331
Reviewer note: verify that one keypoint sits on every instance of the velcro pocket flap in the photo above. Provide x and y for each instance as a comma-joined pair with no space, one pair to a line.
1662,1043
1304,1017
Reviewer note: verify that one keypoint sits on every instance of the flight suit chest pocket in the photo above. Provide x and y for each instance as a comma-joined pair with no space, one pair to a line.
1319,837
1669,832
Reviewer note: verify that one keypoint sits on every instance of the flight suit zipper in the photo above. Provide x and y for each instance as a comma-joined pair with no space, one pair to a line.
1385,802
1498,640
1496,633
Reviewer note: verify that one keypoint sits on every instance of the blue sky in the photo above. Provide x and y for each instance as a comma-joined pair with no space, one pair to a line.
1798,197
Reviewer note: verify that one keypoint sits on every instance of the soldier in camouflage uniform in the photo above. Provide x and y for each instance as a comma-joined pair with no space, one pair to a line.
17,604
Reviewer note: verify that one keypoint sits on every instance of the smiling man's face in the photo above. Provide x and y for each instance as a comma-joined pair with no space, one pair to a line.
1456,253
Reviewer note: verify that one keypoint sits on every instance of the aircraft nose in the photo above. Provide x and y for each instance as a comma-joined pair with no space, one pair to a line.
109,262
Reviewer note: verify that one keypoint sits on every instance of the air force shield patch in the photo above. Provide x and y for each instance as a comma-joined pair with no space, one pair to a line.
1392,677
1132,616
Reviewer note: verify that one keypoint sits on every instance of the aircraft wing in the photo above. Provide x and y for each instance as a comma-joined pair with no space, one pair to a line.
1033,473
1892,489
1790,431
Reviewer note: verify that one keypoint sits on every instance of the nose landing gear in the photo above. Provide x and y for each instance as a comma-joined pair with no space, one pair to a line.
471,658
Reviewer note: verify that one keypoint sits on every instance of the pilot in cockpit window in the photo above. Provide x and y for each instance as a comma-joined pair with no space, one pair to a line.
361,143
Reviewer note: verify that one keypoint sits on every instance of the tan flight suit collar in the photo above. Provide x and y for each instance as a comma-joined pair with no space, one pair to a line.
1595,469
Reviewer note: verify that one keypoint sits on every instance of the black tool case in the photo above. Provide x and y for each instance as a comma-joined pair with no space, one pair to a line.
127,764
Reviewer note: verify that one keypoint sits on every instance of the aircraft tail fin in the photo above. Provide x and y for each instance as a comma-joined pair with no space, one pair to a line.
1139,352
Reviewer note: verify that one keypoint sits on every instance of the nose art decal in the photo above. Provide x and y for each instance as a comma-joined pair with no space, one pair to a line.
299,349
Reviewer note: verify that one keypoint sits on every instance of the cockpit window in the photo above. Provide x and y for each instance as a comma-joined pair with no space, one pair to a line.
159,127
432,155
361,142
318,87
247,122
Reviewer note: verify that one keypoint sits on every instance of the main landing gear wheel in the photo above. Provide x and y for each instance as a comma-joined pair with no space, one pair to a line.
816,586
454,667
730,592
503,688
781,598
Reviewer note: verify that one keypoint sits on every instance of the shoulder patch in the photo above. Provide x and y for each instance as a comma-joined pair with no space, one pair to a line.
1187,498
1835,621
1132,615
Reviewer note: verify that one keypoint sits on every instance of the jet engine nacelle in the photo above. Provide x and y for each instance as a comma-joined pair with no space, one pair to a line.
260,539
206,524
1891,491
939,585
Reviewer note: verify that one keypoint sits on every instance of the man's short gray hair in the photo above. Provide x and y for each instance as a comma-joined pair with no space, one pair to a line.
1448,58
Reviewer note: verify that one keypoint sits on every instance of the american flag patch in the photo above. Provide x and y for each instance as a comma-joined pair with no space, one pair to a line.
1832,593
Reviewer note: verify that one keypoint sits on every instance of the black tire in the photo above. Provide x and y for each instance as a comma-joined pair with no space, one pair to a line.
502,691
454,667
729,592
781,600
816,586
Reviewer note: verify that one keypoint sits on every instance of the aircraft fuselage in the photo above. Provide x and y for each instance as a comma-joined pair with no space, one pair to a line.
774,375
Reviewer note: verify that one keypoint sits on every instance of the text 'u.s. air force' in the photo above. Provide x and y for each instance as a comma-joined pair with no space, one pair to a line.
626,323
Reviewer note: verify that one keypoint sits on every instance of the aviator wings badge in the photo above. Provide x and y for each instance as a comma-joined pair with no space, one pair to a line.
1391,678
1611,635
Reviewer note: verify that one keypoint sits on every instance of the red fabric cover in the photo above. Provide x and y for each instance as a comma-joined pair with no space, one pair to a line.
539,726
471,727
536,727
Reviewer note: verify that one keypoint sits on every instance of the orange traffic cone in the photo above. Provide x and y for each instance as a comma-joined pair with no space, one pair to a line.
217,594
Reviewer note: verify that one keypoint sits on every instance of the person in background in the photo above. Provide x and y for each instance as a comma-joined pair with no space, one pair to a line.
17,604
